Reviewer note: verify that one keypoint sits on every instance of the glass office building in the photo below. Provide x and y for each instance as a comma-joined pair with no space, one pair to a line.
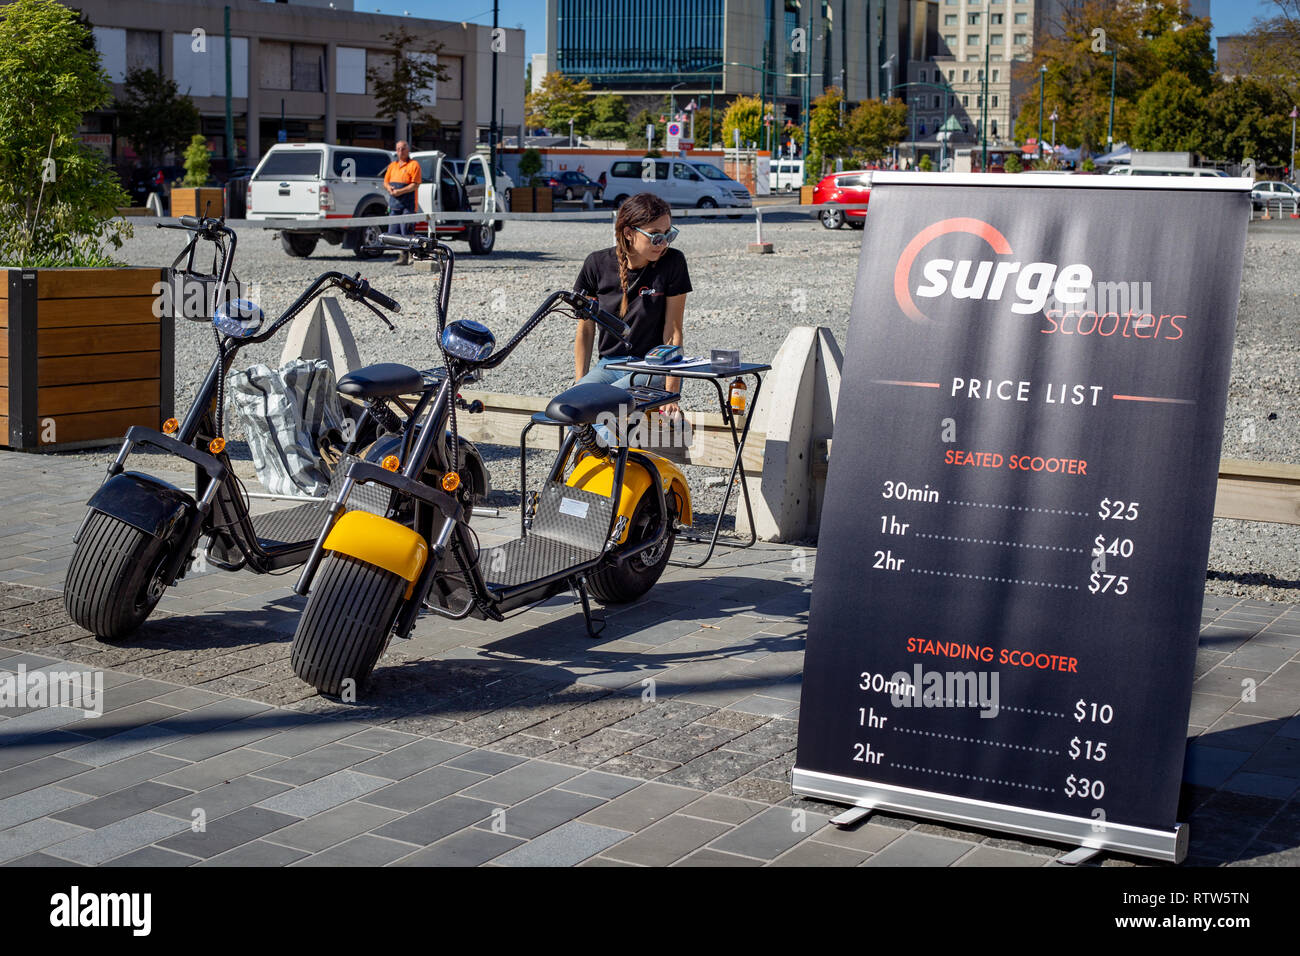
622,44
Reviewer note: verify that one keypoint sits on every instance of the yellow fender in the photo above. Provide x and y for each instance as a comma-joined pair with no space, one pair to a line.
596,475
381,542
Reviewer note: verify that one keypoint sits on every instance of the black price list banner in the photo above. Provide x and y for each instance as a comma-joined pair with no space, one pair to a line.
1017,517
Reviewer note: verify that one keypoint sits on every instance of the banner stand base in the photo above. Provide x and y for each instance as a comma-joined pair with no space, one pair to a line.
1081,855
851,817
1169,846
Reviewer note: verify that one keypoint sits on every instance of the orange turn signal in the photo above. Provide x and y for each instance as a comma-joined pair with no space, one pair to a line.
390,463
217,446
171,426
450,481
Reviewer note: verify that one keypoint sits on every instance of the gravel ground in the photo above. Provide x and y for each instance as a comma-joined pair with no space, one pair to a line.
750,301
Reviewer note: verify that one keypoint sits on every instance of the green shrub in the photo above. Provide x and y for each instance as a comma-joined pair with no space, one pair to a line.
58,197
197,161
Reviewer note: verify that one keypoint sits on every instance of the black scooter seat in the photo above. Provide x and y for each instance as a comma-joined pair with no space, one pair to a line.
583,404
381,380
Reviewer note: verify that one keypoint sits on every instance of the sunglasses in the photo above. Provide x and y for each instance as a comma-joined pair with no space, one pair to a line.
659,238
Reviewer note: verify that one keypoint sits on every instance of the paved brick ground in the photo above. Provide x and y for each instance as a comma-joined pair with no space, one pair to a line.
521,743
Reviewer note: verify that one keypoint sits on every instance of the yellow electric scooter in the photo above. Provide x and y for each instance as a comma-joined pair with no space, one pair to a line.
605,531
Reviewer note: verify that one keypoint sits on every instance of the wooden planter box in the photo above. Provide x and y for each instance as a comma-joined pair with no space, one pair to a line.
532,199
806,195
188,201
83,356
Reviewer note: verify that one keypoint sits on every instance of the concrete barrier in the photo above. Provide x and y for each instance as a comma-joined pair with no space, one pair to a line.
796,417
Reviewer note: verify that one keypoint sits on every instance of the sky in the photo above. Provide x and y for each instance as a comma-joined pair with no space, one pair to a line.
1229,16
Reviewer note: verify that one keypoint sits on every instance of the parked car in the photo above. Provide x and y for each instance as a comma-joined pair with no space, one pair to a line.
785,175
1269,193
676,181
850,187
318,182
1164,171
574,185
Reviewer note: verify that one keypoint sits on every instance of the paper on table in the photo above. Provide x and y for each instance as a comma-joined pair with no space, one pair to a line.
687,362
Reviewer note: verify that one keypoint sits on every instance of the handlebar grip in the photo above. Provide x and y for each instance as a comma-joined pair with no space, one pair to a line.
612,322
378,297
190,222
399,242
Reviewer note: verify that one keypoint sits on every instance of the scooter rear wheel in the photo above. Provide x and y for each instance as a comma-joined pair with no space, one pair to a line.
620,584
346,625
115,577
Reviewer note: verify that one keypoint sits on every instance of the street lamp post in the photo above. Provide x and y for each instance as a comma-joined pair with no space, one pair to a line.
1042,84
1110,126
984,105
1053,118
1291,165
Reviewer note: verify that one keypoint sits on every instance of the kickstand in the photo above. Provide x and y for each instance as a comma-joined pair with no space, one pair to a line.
581,586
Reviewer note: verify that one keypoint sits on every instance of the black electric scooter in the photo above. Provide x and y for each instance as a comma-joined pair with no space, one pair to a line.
607,528
141,533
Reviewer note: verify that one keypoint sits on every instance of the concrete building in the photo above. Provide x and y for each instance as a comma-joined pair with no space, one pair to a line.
299,72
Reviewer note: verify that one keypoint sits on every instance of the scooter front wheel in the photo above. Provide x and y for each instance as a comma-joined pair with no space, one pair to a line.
115,578
346,625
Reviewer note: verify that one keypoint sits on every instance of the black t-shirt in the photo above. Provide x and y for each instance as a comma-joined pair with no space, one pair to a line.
647,296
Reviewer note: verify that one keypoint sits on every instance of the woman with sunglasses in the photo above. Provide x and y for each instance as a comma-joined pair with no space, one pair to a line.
642,280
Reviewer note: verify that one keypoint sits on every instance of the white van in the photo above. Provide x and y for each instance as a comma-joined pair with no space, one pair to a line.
676,181
786,175
1164,171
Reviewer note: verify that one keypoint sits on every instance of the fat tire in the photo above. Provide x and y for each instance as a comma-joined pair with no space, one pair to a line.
616,584
107,588
346,624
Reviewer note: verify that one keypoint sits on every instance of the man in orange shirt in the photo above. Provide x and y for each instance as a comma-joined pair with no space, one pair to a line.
402,179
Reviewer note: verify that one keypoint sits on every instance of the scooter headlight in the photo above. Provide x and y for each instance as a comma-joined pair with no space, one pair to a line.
468,340
238,318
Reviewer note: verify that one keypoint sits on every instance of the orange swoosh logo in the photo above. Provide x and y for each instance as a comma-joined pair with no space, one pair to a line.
976,227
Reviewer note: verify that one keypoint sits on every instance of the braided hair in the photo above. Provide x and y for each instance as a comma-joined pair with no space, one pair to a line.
640,210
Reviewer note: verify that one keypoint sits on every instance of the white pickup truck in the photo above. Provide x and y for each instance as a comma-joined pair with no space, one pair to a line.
312,183
317,182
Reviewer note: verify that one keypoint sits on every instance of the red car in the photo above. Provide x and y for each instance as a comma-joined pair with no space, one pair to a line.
850,187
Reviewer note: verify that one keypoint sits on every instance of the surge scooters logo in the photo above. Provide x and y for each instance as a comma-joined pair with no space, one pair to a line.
987,279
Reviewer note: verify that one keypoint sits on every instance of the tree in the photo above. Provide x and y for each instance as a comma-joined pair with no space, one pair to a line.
926,164
610,117
828,138
197,161
1273,49
744,113
873,128
1011,164
403,89
635,131
530,164
1149,39
1248,119
558,100
57,196
154,117
1171,115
